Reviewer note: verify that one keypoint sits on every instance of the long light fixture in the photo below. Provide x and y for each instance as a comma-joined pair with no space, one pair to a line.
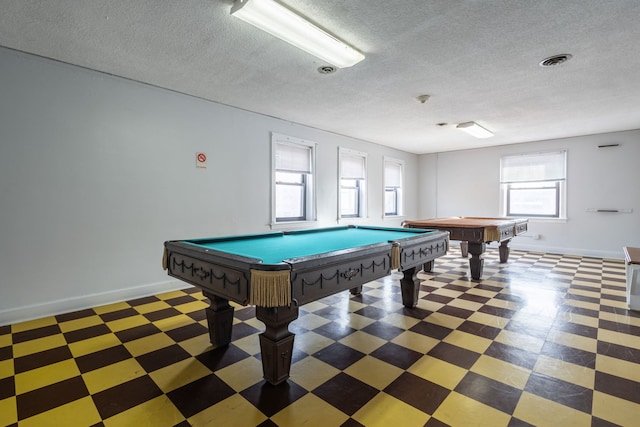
281,22
472,128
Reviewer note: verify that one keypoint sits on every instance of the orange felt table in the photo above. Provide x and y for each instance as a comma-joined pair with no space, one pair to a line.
474,233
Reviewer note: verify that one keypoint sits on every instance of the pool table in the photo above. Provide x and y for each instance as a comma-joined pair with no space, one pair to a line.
277,272
474,233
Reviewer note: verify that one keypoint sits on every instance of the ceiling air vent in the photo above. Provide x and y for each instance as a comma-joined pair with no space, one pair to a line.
326,69
555,60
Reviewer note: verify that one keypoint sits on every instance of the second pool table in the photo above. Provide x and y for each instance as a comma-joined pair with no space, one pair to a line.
277,272
474,233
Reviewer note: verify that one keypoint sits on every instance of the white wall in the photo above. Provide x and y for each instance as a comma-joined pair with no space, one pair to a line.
96,172
466,183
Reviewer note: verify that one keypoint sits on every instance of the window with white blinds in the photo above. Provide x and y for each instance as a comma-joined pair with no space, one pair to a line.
393,183
293,158
534,184
537,167
352,183
293,195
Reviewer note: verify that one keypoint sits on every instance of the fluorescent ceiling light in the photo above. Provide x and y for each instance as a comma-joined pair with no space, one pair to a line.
472,128
279,21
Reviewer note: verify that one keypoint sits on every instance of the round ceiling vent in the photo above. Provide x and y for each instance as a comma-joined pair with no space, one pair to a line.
555,60
326,69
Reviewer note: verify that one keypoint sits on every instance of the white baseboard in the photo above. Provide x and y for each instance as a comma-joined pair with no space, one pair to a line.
568,251
517,244
52,308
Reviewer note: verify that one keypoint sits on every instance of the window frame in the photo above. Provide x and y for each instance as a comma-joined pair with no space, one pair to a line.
358,199
360,186
553,177
308,180
394,192
303,202
398,190
515,188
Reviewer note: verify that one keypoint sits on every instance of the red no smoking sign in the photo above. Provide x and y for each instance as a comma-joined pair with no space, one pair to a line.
201,160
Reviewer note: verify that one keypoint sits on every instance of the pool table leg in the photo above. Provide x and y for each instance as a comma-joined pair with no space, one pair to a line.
276,342
464,249
220,319
476,262
410,286
503,249
427,267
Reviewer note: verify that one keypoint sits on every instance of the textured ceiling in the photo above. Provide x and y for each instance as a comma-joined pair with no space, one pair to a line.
478,59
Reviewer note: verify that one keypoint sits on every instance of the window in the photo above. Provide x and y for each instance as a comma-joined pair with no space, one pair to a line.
393,178
353,180
293,184
534,185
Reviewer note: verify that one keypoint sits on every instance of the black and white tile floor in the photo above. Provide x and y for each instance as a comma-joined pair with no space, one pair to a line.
543,340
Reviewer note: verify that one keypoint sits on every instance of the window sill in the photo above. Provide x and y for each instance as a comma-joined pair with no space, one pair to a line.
293,225
352,220
549,220
392,217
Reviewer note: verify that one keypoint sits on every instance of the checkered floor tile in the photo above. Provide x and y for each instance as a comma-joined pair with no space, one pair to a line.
543,340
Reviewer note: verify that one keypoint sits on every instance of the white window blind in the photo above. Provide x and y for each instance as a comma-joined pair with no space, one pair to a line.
392,174
293,158
538,167
352,166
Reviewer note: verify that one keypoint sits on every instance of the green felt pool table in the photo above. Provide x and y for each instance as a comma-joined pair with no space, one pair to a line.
277,272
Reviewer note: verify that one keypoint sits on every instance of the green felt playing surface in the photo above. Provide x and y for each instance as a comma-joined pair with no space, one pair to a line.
276,247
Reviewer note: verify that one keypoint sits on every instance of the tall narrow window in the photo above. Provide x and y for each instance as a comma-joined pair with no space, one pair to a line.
393,179
292,194
534,185
353,184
